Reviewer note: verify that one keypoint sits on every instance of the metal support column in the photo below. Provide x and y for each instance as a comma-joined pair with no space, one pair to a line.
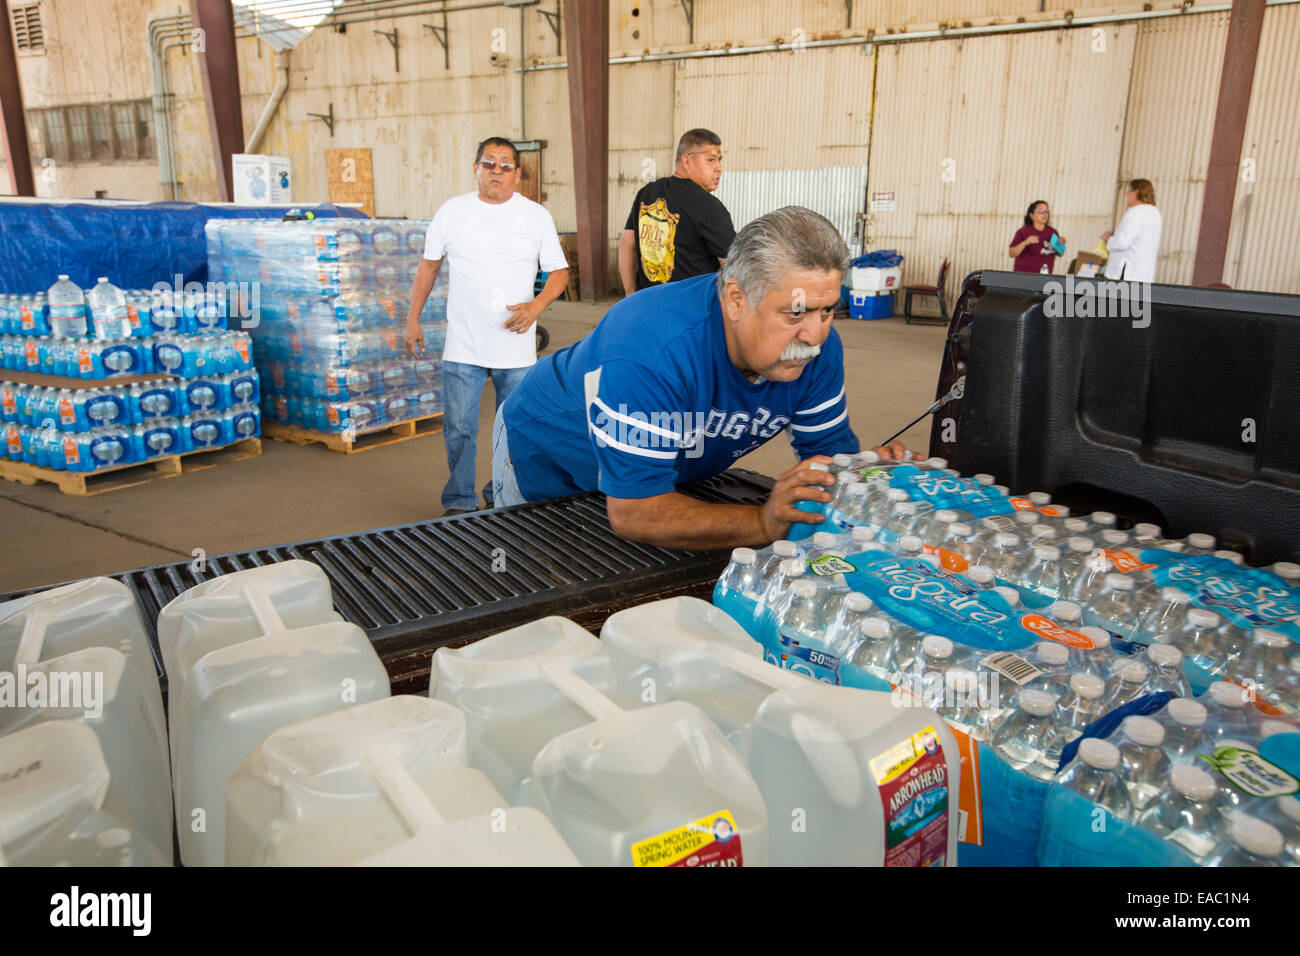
1244,26
587,38
13,131
214,43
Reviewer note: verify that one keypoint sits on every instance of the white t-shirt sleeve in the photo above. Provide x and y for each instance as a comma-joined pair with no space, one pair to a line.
1126,231
435,239
552,256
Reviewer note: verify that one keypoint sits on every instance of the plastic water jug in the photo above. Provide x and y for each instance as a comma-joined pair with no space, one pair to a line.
870,781
56,805
381,783
246,654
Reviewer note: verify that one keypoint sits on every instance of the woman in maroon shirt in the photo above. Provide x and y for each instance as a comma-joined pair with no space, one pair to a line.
1031,246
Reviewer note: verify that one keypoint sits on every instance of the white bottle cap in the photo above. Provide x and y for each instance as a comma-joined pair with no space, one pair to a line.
1200,617
905,508
1028,517
1062,511
1226,694
1114,537
863,533
1050,652
1173,595
1132,672
1192,782
1270,638
1088,686
951,471
1040,498
1075,525
869,457
946,515
937,462
1255,836
857,488
1066,611
858,602
909,542
744,556
991,524
1144,731
898,494
842,461
1010,595
1079,543
820,466
1103,518
1004,539
984,480
959,529
963,681
803,588
1145,529
785,548
1233,556
1101,754
1165,655
935,645
1044,531
980,574
823,539
1270,728
793,567
1003,490
1188,712
1200,540
1037,702
1100,637
1287,570
1047,552
1290,806
1120,582
876,628
846,478
61,276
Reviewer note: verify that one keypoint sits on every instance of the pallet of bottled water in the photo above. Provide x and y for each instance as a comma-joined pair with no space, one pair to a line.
1023,625
334,298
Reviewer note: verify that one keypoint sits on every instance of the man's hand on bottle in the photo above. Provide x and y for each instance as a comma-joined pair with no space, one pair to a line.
800,483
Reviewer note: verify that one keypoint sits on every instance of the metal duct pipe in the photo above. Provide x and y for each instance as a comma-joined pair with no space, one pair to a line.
277,94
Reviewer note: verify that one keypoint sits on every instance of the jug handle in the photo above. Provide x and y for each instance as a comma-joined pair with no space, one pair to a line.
757,670
268,619
580,692
32,641
402,792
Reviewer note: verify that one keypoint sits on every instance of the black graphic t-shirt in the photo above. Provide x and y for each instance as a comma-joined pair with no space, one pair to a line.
681,230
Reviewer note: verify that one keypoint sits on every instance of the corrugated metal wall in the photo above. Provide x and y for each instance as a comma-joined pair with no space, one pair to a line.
1266,217
1170,122
969,132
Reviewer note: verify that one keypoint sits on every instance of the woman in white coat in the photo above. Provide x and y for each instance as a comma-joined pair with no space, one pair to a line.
1133,244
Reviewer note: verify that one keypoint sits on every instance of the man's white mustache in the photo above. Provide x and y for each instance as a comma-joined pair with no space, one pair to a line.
797,351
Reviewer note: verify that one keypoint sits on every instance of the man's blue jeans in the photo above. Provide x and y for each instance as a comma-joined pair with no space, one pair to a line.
462,389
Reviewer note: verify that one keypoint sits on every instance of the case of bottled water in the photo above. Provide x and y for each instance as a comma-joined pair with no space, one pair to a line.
382,783
876,783
634,785
246,654
330,340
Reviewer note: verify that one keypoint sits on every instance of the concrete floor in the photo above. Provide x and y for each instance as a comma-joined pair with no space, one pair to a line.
294,493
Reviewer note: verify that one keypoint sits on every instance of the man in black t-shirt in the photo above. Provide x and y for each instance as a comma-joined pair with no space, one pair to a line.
677,229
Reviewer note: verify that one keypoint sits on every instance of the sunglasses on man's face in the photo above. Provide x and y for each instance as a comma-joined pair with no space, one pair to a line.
488,167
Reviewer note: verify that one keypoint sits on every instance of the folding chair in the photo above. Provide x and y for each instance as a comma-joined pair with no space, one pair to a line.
936,290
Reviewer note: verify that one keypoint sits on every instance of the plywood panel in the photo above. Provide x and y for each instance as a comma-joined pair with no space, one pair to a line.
351,177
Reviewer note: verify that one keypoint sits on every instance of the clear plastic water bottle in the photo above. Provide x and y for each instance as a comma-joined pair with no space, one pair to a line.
1043,575
1166,662
981,576
1167,617
882,507
1082,705
776,592
844,632
1074,559
1199,543
852,507
1130,681
960,705
1264,662
905,647
873,652
1199,641
1185,811
1003,555
926,676
1093,776
1113,607
802,625
66,304
937,530
1284,693
1028,740
960,542
1098,659
908,546
739,587
1088,584
107,307
1184,721
1229,716
859,540
899,522
1251,842
1145,765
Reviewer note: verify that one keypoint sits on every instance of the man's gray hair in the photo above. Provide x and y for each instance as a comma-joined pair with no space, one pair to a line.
792,237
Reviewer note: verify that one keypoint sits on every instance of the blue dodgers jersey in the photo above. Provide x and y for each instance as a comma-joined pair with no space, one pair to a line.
650,400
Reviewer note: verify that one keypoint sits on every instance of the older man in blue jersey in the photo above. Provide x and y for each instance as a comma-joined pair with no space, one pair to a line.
678,381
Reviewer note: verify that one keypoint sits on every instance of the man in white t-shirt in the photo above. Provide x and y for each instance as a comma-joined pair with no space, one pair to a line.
493,240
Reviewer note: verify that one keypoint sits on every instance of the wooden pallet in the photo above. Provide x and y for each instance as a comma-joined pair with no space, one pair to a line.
334,441
82,484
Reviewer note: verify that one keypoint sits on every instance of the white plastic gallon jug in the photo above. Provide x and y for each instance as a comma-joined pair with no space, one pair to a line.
381,783
239,669
511,710
55,802
848,777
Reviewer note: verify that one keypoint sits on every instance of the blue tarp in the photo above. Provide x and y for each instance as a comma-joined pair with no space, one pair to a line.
134,244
